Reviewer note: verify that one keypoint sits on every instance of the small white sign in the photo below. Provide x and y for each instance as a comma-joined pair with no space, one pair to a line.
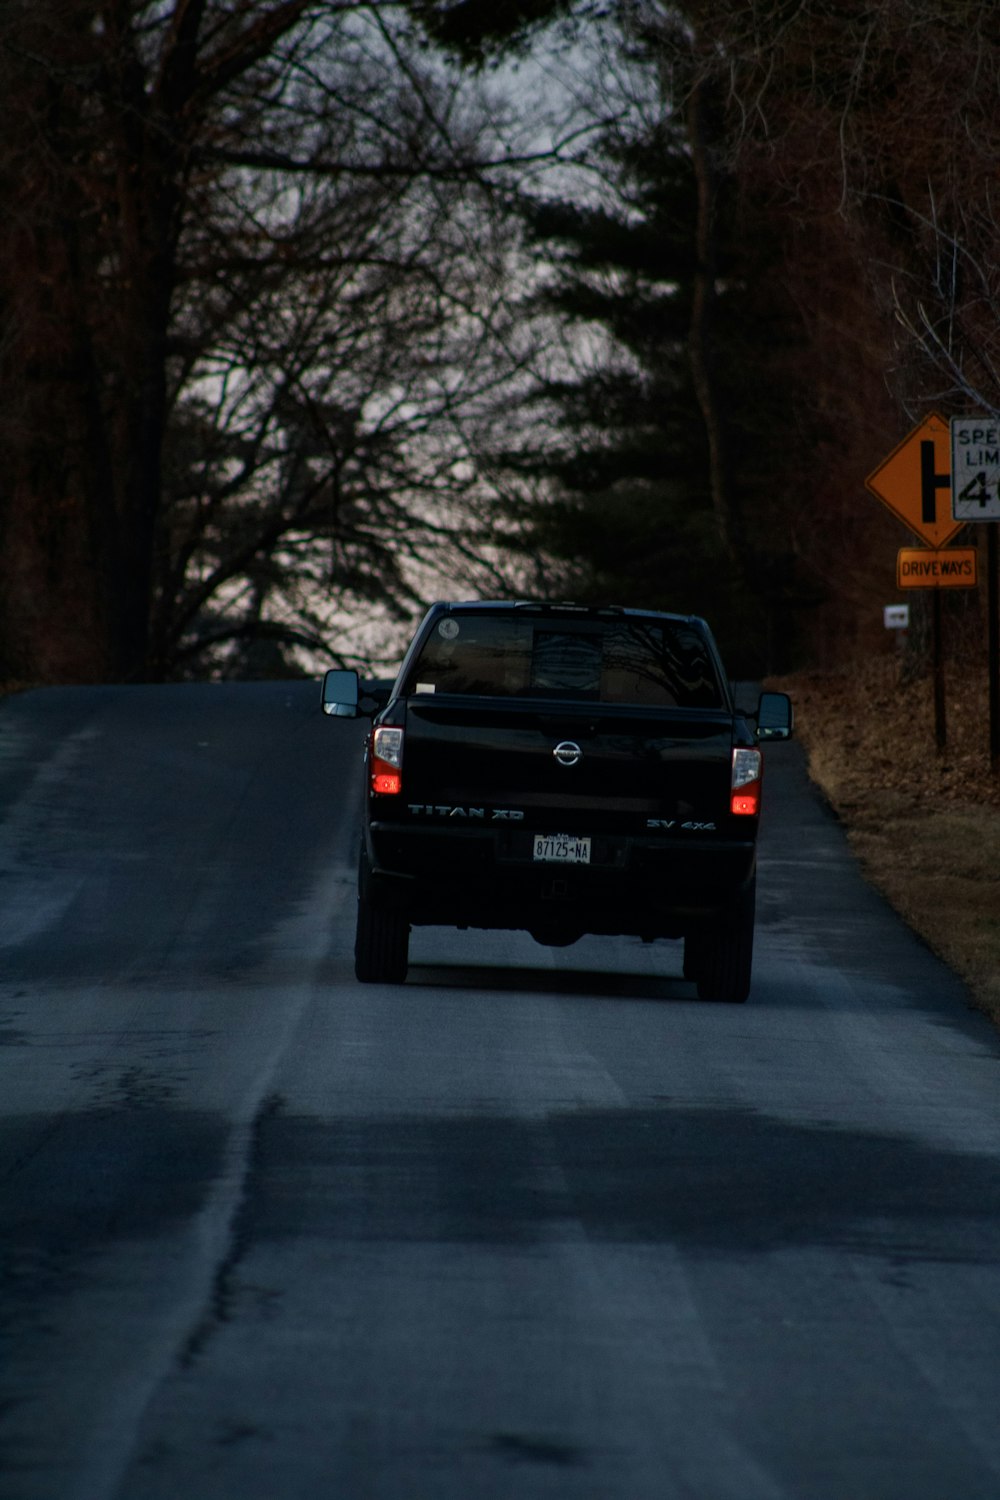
896,616
975,468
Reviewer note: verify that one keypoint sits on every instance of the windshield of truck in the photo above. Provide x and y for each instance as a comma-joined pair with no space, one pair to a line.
648,662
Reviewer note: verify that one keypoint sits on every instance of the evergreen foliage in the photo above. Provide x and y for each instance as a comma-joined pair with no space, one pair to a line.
620,503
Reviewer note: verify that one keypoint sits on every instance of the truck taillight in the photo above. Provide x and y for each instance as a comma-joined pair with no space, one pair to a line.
744,798
386,761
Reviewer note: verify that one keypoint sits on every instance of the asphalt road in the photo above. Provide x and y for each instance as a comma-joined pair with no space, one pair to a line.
536,1224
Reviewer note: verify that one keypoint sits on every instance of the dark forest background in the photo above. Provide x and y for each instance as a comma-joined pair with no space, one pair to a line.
311,312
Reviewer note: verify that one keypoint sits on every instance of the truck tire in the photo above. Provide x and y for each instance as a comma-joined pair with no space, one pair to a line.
381,939
726,960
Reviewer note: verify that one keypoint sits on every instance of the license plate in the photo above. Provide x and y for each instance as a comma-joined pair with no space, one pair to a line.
560,848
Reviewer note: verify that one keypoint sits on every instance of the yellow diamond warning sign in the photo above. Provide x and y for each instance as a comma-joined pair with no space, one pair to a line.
915,482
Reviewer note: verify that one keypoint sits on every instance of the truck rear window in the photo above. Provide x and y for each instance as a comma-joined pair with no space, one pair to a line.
650,663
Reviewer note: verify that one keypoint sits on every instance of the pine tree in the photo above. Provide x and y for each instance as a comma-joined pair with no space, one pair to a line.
617,495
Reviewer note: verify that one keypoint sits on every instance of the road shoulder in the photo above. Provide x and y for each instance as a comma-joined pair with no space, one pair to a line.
925,826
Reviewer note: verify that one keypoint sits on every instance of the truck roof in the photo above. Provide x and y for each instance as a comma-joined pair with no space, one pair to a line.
565,607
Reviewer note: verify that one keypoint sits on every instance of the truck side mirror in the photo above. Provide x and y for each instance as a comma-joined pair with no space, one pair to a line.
340,694
775,717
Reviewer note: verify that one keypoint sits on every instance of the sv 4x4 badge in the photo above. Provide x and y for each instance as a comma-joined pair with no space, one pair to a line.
662,825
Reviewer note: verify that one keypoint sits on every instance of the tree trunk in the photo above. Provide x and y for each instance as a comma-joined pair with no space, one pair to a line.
53,624
86,279
78,500
700,338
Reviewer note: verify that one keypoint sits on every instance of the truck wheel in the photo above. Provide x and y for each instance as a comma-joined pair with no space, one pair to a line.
725,961
381,940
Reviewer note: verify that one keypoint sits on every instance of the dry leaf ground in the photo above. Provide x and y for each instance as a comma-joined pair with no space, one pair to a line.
925,826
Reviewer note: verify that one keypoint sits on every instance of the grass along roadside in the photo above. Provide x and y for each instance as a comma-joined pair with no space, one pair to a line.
925,827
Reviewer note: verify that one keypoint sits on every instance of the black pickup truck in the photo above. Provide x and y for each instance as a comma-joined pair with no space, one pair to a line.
562,770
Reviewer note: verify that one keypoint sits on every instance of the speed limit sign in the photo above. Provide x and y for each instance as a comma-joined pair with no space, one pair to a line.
975,468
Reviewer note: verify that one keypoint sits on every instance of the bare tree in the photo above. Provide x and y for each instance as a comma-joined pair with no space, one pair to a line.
247,289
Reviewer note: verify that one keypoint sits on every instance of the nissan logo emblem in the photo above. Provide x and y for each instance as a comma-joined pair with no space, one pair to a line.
567,753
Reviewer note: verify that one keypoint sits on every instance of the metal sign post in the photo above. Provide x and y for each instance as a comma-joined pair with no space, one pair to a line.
993,644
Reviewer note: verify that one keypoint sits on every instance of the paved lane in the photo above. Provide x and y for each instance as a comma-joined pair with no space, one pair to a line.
535,1224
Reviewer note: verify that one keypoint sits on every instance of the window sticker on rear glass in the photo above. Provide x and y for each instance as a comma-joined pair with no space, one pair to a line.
424,687
448,629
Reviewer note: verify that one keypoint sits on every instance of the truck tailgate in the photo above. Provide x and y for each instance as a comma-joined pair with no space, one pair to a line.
634,764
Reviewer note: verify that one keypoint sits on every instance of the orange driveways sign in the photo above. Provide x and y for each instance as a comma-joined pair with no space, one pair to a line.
920,568
915,482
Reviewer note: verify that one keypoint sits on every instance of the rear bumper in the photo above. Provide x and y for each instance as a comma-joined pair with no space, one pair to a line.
480,878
